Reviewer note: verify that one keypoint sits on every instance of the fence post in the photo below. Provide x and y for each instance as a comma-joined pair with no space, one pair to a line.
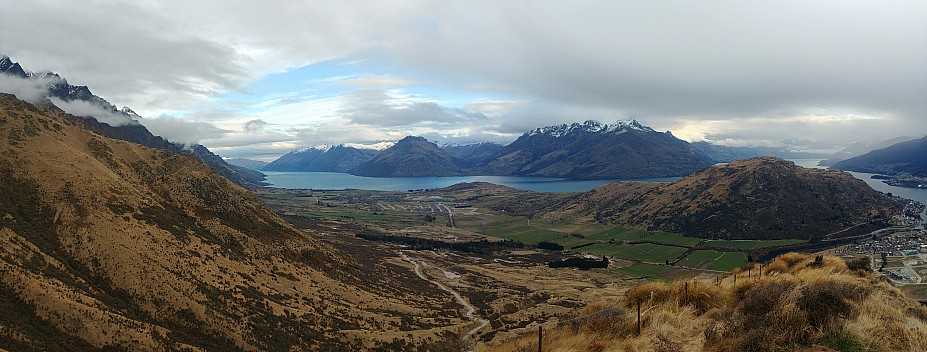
540,338
735,279
687,293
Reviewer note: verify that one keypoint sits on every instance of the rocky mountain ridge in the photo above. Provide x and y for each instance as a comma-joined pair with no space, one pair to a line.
127,127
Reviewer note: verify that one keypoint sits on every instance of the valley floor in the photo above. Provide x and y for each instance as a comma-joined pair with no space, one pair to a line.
500,295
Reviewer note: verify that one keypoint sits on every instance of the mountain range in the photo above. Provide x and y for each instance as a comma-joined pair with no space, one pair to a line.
590,150
860,148
909,157
476,153
412,157
339,158
122,123
246,163
625,149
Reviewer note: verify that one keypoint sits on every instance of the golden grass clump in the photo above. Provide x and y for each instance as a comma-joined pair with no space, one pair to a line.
799,302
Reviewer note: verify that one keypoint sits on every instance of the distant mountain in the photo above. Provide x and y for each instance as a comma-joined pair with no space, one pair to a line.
725,154
592,150
860,148
759,198
908,157
123,123
412,157
337,158
246,163
476,153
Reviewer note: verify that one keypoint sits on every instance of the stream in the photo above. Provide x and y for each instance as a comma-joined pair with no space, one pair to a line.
471,310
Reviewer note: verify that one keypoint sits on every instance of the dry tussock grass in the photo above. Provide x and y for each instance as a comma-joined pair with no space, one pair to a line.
795,302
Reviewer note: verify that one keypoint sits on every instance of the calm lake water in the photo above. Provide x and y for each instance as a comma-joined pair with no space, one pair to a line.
340,181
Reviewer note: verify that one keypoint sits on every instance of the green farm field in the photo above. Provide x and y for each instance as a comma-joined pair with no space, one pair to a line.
746,244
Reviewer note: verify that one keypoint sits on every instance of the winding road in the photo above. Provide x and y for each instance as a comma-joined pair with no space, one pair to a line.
471,310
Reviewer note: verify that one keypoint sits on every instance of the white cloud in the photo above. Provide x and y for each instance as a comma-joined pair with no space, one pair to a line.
25,89
181,131
87,109
374,82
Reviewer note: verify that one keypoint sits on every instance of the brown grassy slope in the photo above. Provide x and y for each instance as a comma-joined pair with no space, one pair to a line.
799,303
108,243
759,198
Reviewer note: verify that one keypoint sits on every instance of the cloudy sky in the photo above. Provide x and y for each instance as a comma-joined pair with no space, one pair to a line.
259,78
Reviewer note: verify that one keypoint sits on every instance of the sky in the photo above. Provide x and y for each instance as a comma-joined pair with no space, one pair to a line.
257,79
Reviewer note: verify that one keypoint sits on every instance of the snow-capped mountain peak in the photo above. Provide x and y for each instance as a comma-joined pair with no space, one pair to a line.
322,148
591,126
376,146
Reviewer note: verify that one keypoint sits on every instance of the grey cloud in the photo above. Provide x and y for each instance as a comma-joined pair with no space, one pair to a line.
255,126
33,91
36,91
182,131
688,58
375,107
88,109
341,133
124,53
246,139
674,63
169,54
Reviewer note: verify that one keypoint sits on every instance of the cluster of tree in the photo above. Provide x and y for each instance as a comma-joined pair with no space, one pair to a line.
417,243
550,245
581,263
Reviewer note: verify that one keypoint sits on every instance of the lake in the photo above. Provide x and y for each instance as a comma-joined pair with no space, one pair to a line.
340,181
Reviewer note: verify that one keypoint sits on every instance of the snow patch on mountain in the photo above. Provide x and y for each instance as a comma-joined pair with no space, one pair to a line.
591,126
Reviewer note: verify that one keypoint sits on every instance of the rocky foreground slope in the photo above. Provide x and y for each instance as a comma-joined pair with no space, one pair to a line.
795,303
108,244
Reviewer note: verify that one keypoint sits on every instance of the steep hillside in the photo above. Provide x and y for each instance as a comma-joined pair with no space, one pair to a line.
760,198
908,157
246,163
412,157
123,123
795,303
860,148
337,158
591,150
476,153
109,244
